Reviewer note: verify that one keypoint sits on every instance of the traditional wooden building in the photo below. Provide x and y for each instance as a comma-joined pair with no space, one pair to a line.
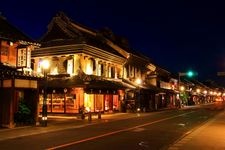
86,69
93,69
168,97
16,79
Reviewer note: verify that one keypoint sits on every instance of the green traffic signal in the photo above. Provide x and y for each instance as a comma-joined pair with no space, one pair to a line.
190,74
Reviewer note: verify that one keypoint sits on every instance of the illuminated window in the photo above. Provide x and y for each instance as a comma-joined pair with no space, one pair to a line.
89,101
70,103
115,102
58,103
70,66
99,98
99,69
89,67
109,71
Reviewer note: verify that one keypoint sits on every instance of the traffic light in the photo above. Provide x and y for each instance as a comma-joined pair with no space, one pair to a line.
190,74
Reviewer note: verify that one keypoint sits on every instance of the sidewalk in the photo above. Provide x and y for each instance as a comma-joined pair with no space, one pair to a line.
210,136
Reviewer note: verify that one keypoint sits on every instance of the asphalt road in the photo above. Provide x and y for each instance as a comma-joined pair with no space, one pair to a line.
144,131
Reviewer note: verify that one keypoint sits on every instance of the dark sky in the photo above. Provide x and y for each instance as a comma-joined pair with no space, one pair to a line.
176,35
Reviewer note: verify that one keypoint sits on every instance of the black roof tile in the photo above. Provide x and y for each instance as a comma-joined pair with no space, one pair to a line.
10,32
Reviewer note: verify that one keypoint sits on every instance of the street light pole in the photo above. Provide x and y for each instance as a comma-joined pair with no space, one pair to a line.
45,65
138,81
44,107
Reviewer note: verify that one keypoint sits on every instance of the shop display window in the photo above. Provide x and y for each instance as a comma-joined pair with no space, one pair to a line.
58,103
99,105
70,104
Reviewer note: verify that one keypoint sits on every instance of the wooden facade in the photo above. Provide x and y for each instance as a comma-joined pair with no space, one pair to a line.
97,69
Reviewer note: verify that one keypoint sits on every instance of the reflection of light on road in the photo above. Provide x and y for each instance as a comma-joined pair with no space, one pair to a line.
181,124
116,131
138,129
144,144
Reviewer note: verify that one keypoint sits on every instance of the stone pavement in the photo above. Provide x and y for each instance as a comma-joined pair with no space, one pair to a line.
210,136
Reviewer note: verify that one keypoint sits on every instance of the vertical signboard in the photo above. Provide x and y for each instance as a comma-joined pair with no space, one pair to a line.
22,57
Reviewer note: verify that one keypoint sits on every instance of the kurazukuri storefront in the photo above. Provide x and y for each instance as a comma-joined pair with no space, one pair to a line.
72,94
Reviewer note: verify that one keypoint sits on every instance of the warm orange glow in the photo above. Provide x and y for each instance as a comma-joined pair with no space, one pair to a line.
70,66
198,90
89,101
182,88
138,81
55,71
87,109
45,64
89,69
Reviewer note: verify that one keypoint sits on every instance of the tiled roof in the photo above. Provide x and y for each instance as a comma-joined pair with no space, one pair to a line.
64,31
8,31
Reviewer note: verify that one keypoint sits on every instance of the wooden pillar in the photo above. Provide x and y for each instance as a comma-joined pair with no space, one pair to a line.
156,101
96,67
12,101
7,115
36,117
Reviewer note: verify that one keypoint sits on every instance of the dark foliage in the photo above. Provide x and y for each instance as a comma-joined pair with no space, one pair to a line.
23,115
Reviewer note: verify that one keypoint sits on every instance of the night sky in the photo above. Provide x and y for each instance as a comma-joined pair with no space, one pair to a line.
176,35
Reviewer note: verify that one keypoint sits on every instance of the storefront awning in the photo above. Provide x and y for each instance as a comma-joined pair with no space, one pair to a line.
108,86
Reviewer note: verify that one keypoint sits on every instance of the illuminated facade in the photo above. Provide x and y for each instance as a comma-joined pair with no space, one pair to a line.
94,69
79,69
86,69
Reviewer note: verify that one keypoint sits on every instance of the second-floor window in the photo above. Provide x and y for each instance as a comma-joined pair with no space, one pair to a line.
70,66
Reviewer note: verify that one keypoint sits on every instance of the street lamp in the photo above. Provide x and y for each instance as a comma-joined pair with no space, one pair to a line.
138,81
45,66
